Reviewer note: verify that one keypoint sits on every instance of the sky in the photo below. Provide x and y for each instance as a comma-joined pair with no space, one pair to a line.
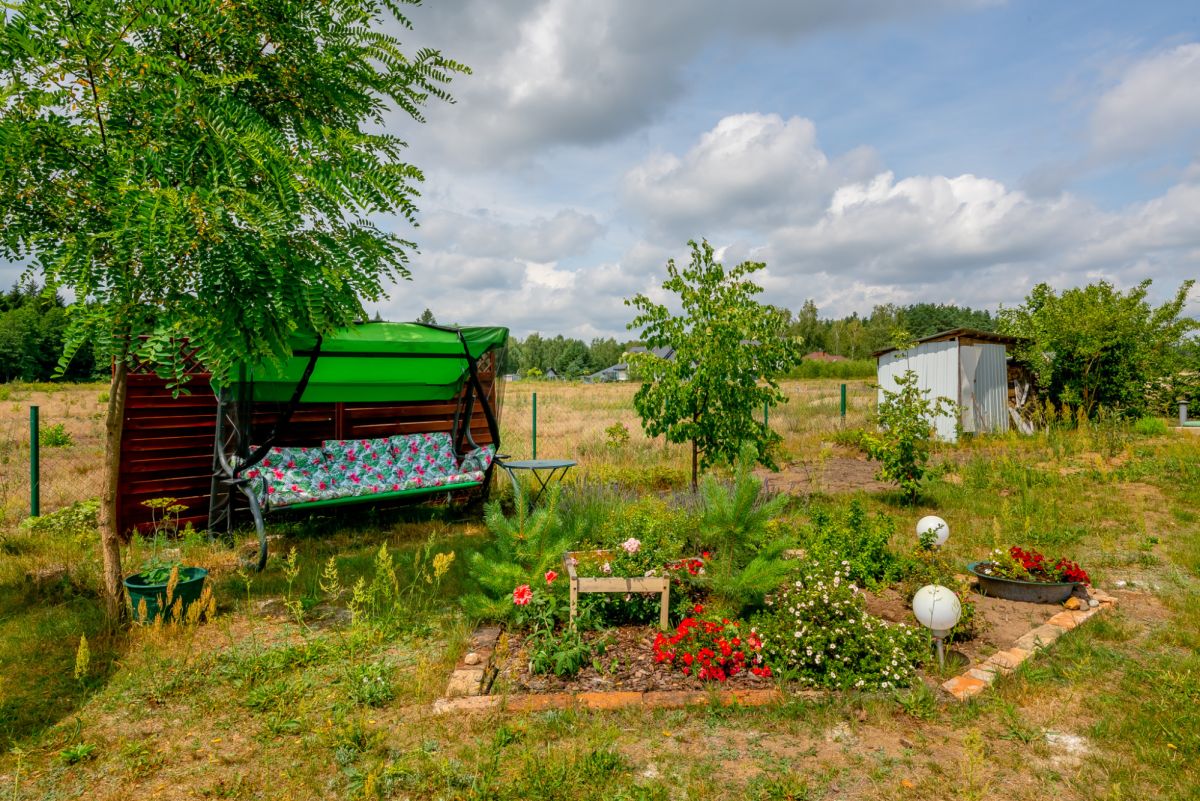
868,151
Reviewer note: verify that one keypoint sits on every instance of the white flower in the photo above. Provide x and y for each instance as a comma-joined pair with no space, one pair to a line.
631,545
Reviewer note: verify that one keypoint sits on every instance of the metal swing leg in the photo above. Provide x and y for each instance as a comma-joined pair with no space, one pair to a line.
256,512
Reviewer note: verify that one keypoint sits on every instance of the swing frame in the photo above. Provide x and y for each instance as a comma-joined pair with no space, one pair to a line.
389,358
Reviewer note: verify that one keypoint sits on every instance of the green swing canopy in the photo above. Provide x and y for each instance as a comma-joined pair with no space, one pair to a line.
380,361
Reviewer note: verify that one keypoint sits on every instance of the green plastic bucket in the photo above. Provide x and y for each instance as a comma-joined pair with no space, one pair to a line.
187,591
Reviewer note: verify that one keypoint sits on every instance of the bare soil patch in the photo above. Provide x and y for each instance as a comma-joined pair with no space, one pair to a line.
834,475
1000,624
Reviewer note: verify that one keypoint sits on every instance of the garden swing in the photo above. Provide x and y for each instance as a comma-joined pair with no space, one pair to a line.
407,364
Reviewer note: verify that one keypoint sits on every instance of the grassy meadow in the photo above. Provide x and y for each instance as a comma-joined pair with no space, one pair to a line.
274,699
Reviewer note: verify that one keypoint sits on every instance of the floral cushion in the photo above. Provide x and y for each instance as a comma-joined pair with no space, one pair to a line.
423,456
345,468
478,459
292,475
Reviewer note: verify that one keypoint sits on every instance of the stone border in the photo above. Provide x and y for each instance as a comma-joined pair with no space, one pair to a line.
474,673
978,678
659,699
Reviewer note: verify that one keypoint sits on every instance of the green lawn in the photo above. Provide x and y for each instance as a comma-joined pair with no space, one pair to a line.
248,706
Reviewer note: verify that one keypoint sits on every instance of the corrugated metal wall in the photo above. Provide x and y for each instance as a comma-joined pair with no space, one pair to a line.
936,365
991,389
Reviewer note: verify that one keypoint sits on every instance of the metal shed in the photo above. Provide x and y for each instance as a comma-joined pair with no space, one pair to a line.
968,367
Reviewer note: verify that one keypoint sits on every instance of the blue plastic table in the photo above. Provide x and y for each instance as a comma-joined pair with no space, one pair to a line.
543,471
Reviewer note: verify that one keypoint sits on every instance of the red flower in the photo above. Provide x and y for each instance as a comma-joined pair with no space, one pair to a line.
522,595
551,576
698,609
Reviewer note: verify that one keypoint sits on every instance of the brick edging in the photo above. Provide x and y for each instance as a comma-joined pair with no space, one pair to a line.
658,699
977,678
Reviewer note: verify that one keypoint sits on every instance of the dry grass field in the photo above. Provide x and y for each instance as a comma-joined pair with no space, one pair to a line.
70,471
572,419
262,706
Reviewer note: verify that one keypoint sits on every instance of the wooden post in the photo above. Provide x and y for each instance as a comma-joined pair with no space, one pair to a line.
663,621
574,599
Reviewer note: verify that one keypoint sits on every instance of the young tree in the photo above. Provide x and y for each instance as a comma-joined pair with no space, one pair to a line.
207,171
427,318
902,445
728,353
1097,347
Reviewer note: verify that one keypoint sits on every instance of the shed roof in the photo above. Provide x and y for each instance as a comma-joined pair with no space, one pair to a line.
960,333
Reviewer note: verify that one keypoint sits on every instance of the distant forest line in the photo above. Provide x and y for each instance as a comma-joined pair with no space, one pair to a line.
33,323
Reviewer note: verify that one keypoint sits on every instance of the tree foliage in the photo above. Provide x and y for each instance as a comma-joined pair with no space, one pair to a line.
729,351
207,170
902,444
857,337
566,356
1096,347
32,328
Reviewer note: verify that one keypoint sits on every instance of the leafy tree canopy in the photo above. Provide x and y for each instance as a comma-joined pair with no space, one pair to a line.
207,170
728,353
1097,347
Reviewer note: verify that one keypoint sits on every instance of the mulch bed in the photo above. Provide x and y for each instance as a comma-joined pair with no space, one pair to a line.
626,664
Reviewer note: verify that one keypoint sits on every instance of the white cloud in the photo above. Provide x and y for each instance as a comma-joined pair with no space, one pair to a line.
761,189
750,171
1156,103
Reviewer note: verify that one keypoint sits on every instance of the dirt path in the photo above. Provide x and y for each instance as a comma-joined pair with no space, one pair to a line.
834,475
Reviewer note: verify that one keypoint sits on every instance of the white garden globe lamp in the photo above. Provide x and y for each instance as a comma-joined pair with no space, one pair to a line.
937,609
935,527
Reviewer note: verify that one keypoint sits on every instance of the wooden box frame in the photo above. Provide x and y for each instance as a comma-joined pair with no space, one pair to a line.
615,584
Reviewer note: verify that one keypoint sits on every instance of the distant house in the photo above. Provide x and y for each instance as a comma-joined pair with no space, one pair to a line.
822,356
550,375
965,366
620,371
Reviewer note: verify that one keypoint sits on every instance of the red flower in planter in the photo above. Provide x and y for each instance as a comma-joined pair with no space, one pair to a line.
522,595
719,648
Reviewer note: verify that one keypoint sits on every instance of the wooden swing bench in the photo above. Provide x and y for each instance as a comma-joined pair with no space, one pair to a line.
369,362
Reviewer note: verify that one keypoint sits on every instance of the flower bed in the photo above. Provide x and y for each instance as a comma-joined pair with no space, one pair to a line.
623,659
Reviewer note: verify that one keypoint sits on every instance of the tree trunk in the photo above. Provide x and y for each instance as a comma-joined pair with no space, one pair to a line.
695,467
110,539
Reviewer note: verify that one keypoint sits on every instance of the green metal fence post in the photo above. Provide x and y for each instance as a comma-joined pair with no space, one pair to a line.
766,415
35,501
535,425
843,403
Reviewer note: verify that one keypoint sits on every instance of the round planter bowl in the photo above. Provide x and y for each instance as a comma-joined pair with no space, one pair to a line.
1034,592
187,591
